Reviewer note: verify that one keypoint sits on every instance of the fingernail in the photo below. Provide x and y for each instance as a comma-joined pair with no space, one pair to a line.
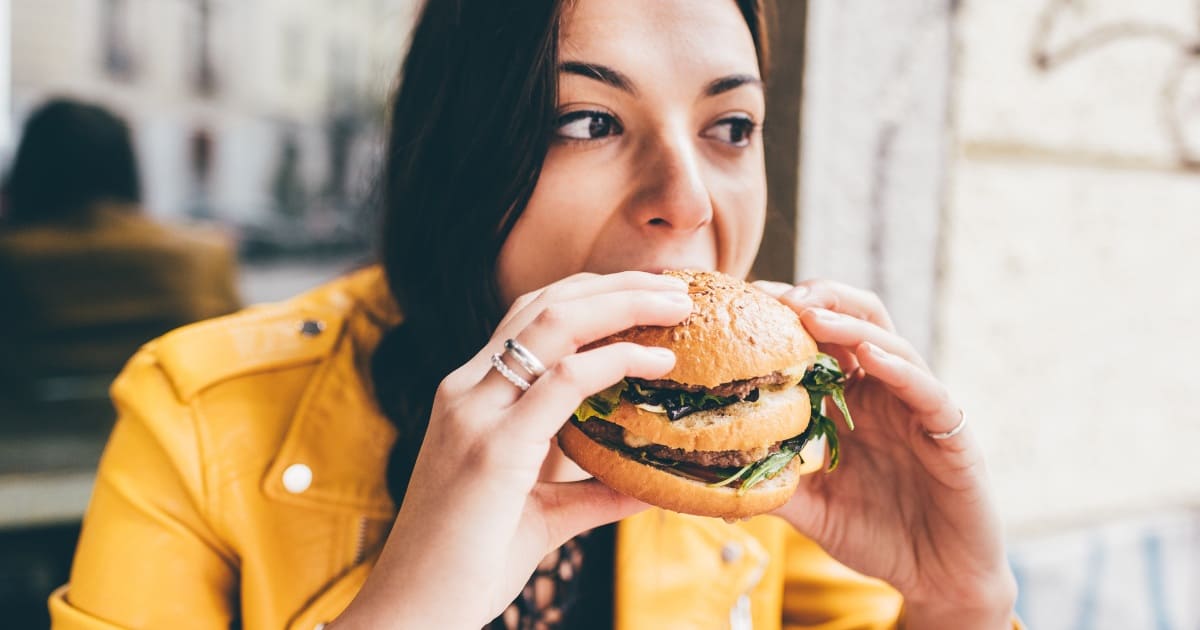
876,350
660,353
823,315
675,283
798,293
772,288
678,299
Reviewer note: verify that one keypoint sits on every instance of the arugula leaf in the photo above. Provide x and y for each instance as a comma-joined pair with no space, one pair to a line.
825,378
600,405
734,477
827,428
679,403
768,467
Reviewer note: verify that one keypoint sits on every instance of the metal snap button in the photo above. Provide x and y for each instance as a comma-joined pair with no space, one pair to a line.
312,327
297,478
731,552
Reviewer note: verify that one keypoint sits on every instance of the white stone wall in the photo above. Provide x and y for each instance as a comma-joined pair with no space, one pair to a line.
873,158
1070,297
1048,259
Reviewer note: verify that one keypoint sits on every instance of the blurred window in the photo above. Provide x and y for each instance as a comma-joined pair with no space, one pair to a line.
118,51
200,52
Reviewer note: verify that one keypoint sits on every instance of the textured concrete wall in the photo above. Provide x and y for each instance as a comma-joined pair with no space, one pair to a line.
1070,297
1048,259
873,159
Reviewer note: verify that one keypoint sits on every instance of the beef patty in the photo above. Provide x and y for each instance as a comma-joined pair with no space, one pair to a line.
741,389
613,434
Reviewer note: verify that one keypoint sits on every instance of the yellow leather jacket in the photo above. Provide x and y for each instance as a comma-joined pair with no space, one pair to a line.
244,483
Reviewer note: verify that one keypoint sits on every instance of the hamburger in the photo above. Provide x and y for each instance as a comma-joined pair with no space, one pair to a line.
734,425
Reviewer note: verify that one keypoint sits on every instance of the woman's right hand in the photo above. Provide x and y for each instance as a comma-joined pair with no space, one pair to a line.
476,520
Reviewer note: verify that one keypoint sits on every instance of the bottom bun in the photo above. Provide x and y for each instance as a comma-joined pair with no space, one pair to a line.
666,490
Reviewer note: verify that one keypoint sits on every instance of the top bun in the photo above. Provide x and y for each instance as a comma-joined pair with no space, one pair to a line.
735,332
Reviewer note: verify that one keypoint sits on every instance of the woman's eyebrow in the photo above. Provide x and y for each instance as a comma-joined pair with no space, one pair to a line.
617,79
603,74
733,81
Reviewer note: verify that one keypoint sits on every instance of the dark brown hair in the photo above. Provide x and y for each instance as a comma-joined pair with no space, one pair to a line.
471,123
71,155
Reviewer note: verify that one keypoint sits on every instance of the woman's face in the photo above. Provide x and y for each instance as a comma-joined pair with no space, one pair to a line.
658,159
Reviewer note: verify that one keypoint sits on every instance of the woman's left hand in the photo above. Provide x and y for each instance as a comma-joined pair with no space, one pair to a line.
902,506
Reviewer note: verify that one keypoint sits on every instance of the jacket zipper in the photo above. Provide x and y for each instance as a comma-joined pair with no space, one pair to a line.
360,542
740,616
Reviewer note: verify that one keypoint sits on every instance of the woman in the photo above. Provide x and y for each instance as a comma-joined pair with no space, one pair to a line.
88,277
543,156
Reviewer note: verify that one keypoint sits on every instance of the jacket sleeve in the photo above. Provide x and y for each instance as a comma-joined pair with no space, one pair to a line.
822,594
148,554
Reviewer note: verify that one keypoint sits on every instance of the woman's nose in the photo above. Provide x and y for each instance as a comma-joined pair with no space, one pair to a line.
672,194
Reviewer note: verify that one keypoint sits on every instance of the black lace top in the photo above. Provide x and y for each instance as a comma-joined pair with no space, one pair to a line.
572,588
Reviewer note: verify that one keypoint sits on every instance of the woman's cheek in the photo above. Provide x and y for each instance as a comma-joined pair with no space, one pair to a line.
552,238
740,204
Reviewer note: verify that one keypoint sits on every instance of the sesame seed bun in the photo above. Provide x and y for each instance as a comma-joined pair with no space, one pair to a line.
735,333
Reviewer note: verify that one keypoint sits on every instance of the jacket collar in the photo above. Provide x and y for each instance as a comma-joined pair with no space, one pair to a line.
338,431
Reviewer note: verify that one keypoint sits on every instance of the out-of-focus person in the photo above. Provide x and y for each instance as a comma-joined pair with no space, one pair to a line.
87,277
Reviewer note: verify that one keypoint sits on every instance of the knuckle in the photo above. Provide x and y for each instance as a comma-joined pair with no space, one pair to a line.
822,292
944,400
569,371
482,455
524,300
558,293
553,317
552,293
452,385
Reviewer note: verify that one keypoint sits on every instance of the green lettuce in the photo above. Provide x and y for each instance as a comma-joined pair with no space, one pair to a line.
824,379
600,405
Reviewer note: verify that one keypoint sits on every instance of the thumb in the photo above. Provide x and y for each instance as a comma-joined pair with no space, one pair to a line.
807,509
571,508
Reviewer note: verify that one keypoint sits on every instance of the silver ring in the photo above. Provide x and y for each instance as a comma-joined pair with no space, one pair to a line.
952,432
525,358
508,373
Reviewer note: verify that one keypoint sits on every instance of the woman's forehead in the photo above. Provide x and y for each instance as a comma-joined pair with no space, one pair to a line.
676,35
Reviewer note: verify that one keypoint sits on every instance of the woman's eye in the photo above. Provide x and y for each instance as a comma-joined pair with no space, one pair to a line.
735,130
588,125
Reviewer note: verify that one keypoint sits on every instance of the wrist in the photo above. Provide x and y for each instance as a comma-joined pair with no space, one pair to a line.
991,607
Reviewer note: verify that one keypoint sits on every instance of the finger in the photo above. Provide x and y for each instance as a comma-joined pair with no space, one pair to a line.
572,508
842,298
526,299
526,307
927,397
556,395
830,327
772,288
562,328
847,362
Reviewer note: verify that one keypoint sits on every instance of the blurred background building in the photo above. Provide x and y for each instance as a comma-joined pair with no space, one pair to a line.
261,115
1018,180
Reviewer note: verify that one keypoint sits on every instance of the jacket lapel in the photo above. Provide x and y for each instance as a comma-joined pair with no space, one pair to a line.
338,432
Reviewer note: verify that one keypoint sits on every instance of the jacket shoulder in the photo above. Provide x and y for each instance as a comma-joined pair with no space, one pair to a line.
300,331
